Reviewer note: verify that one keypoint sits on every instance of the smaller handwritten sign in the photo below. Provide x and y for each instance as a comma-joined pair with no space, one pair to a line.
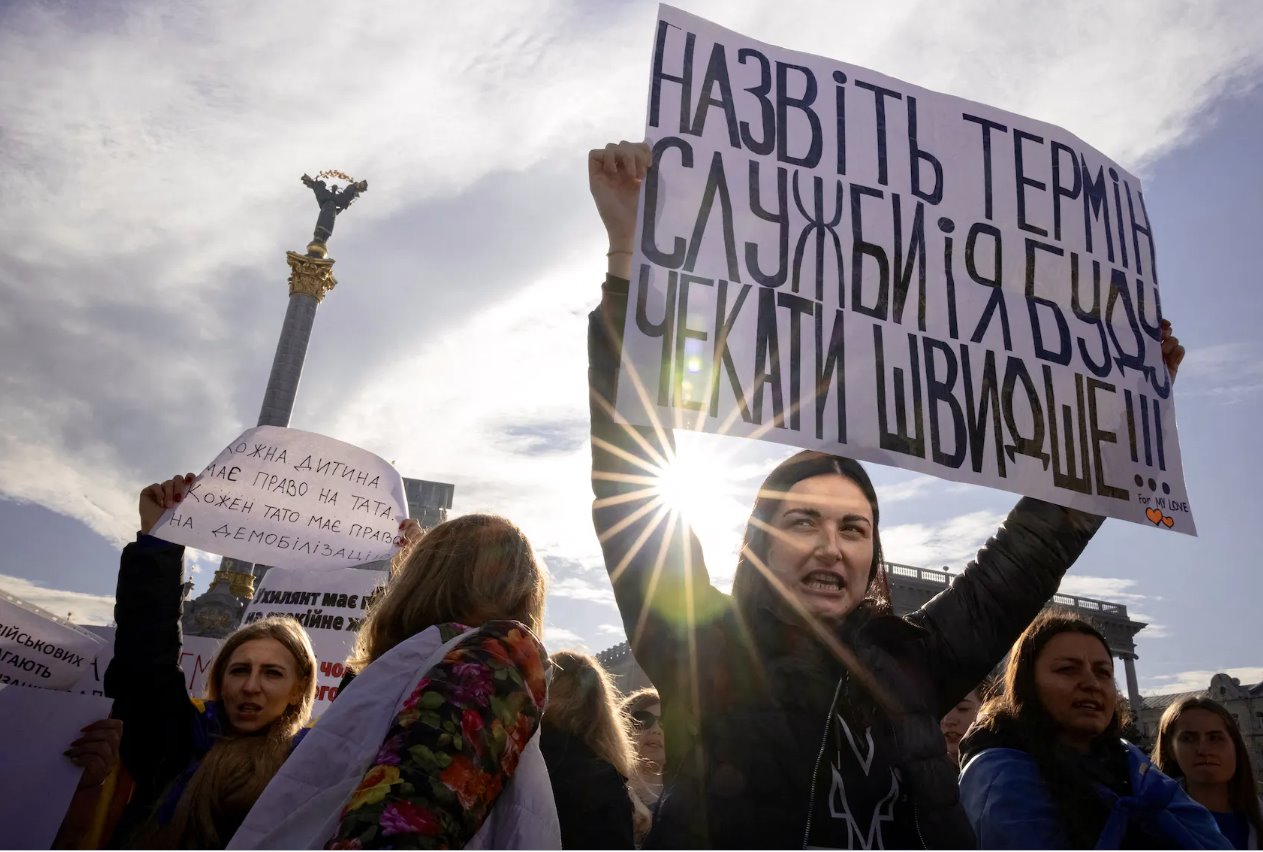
293,499
39,649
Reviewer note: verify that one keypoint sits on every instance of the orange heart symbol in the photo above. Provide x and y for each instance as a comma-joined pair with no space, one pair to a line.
1154,515
1168,522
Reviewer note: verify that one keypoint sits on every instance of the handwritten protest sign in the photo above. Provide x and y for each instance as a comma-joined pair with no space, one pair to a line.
39,649
831,258
38,781
196,655
331,605
291,498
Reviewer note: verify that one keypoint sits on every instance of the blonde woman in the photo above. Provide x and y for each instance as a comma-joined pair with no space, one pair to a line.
434,742
589,755
643,709
198,765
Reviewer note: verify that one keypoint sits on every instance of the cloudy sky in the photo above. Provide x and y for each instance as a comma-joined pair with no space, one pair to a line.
149,163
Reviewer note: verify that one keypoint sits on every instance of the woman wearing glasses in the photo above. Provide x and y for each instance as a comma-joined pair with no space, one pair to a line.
644,709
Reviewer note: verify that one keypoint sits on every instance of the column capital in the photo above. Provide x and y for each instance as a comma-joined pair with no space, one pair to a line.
311,276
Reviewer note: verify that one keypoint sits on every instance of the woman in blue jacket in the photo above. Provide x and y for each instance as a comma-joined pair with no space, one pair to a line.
1045,767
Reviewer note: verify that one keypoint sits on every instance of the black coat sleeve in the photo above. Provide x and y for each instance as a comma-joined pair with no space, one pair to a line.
977,619
144,678
654,560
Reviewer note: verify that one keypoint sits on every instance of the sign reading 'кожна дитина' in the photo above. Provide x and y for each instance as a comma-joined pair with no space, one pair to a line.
834,259
291,498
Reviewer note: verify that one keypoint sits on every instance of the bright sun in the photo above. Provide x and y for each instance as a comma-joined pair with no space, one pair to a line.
700,483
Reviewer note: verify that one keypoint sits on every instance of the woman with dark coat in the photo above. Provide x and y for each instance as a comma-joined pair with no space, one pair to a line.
798,711
198,765
589,755
1045,767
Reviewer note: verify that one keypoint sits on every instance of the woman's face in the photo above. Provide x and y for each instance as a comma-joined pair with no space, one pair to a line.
1074,680
650,746
822,544
1204,749
957,722
260,682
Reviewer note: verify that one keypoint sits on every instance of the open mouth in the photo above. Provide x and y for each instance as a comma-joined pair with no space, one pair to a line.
248,709
824,581
952,737
1090,706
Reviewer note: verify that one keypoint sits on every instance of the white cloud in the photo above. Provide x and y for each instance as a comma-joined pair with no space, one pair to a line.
581,590
1189,681
952,543
1228,372
79,607
559,638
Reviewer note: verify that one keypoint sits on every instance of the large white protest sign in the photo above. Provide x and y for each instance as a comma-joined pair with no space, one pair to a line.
834,259
39,649
331,605
290,498
38,781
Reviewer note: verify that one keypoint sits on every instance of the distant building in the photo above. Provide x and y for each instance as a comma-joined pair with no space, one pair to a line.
1244,702
910,589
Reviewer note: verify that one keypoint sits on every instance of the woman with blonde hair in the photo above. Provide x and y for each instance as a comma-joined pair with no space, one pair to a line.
434,742
1200,744
198,765
589,754
643,709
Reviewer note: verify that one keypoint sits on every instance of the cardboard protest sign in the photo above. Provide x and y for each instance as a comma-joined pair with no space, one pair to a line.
39,649
38,782
331,605
291,498
834,259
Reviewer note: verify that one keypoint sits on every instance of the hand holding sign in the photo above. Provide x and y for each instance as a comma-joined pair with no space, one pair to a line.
285,497
157,498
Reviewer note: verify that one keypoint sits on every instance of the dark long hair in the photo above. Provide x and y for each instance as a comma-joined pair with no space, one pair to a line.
750,589
1018,718
1241,792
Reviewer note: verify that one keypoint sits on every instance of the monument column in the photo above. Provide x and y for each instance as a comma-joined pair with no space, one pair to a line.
309,279
1133,686
218,611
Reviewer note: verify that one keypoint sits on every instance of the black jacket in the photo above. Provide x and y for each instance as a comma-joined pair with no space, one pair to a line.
747,703
593,806
145,679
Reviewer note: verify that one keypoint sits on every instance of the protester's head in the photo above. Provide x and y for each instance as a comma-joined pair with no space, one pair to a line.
265,676
1199,741
265,673
643,709
1059,682
582,701
812,540
469,570
959,718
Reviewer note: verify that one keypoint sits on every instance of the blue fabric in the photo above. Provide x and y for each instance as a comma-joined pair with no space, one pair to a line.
1009,806
1235,827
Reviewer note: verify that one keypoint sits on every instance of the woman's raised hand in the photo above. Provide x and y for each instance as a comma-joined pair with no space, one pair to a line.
1172,351
614,176
157,498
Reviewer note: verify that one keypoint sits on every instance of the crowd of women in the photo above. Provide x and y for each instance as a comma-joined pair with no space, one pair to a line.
797,711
